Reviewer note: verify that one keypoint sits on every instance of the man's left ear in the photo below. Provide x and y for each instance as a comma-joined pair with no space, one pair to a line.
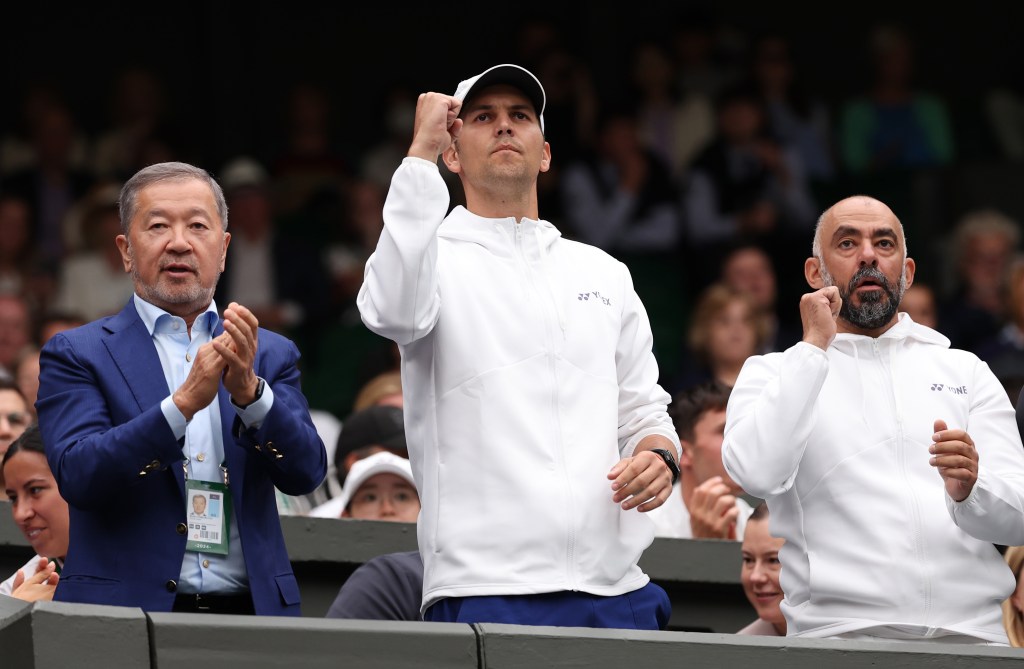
545,160
909,267
224,254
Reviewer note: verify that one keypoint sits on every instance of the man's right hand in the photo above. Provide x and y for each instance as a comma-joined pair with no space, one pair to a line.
713,510
437,125
200,387
818,311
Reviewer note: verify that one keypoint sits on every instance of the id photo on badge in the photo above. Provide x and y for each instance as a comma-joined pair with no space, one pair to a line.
202,507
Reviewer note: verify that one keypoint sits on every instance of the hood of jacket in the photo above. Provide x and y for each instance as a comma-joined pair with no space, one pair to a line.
495,233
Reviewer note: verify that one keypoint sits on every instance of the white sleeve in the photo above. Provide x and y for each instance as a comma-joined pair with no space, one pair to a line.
994,511
398,298
30,568
643,404
772,410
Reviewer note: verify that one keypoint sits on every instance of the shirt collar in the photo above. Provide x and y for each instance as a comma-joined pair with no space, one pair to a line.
152,314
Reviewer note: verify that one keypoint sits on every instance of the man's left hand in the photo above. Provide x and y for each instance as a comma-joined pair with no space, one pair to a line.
954,455
643,481
240,354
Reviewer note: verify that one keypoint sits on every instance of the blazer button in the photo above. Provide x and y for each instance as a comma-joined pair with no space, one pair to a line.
171,586
182,528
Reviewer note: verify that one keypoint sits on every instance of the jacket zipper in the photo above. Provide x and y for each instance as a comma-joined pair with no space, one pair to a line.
570,553
901,455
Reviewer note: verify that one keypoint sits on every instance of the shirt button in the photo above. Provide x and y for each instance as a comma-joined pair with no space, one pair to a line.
201,457
206,564
188,357
171,586
182,528
176,325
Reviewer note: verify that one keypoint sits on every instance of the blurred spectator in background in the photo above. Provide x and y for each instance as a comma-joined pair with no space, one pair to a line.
379,487
14,416
382,158
53,183
93,281
920,302
385,389
705,54
1004,111
727,328
15,330
17,149
894,126
281,279
309,160
1004,350
571,114
137,119
749,268
705,503
354,239
745,185
385,587
620,198
1013,607
796,116
364,432
760,575
674,124
53,321
983,244
40,513
17,254
26,376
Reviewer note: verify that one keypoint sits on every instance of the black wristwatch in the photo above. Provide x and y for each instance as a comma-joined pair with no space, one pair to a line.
259,394
670,461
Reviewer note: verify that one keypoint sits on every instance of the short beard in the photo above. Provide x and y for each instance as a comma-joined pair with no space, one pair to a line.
876,308
156,294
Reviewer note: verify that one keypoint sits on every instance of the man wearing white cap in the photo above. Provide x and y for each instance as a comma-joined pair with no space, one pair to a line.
536,427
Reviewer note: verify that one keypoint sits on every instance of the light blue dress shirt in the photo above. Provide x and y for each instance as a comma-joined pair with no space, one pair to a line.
204,442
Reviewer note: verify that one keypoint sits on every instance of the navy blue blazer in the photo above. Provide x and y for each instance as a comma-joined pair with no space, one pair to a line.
119,466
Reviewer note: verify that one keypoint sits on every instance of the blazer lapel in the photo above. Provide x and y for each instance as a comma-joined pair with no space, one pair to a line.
131,347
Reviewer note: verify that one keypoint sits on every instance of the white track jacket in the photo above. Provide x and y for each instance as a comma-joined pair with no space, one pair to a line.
837,442
527,373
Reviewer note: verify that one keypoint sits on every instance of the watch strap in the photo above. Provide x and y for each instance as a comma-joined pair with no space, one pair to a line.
670,462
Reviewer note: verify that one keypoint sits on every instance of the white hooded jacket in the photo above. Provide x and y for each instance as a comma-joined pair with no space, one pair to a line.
527,373
837,442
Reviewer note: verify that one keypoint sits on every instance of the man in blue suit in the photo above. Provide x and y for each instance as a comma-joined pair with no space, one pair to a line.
143,409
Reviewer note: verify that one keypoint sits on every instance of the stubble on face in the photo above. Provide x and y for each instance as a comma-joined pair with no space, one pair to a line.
166,290
877,307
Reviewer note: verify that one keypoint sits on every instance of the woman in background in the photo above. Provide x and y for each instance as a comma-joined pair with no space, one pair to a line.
40,513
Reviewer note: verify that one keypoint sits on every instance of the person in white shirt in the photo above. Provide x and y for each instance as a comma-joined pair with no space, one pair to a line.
891,463
537,431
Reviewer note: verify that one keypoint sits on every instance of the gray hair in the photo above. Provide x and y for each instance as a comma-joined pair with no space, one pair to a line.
127,202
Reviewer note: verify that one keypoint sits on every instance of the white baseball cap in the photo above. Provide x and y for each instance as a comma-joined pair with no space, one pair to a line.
512,75
383,462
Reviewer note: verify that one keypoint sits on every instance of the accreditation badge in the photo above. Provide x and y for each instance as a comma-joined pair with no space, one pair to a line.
208,508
